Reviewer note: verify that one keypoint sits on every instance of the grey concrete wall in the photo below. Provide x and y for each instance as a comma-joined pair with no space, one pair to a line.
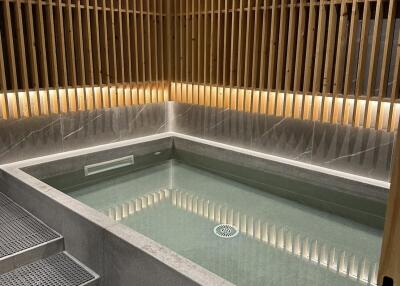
141,152
360,151
44,135
355,200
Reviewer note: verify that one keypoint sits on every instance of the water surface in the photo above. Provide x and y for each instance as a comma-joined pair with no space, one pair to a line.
280,242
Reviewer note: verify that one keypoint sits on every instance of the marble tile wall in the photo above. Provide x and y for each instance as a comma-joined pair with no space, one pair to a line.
33,137
365,152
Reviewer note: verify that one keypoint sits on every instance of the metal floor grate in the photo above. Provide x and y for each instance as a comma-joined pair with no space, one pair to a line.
57,270
19,230
4,200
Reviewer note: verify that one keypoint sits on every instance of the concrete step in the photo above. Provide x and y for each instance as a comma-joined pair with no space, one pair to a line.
60,269
23,237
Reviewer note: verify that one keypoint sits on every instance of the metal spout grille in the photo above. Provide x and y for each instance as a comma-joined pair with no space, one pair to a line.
226,231
109,165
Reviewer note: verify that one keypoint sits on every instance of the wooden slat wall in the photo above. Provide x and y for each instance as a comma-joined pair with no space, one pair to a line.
68,55
329,60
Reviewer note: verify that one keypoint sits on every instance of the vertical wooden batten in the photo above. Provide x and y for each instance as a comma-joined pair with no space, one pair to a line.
80,60
136,53
121,95
211,53
60,40
296,107
87,30
264,39
289,67
205,51
318,65
52,56
155,45
70,56
33,60
225,65
395,89
383,82
11,58
329,61
218,60
3,85
340,61
181,16
126,27
97,67
231,69
162,53
350,62
308,68
113,57
255,55
373,63
389,268
169,45
361,63
149,98
272,54
26,104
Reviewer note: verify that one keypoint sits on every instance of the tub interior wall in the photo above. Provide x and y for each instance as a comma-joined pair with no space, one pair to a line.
354,200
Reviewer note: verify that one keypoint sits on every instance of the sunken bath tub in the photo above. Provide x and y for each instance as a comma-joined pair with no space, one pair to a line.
172,209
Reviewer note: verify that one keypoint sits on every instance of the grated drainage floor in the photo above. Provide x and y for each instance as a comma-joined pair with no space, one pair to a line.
55,270
19,230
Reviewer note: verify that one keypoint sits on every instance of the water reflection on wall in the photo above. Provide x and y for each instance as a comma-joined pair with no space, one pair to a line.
279,237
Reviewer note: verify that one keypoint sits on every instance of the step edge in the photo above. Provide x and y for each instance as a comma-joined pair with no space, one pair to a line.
29,213
86,268
22,257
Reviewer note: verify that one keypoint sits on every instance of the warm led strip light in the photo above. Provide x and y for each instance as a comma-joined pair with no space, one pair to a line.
265,101
82,98
240,99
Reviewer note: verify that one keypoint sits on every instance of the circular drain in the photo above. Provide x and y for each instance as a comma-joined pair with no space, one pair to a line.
226,230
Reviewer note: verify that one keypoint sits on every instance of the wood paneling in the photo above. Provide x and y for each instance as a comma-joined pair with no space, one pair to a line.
329,60
67,55
326,60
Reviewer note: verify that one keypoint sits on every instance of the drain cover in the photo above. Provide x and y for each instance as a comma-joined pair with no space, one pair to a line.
226,230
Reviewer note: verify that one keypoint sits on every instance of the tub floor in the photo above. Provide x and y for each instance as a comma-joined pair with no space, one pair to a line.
280,242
